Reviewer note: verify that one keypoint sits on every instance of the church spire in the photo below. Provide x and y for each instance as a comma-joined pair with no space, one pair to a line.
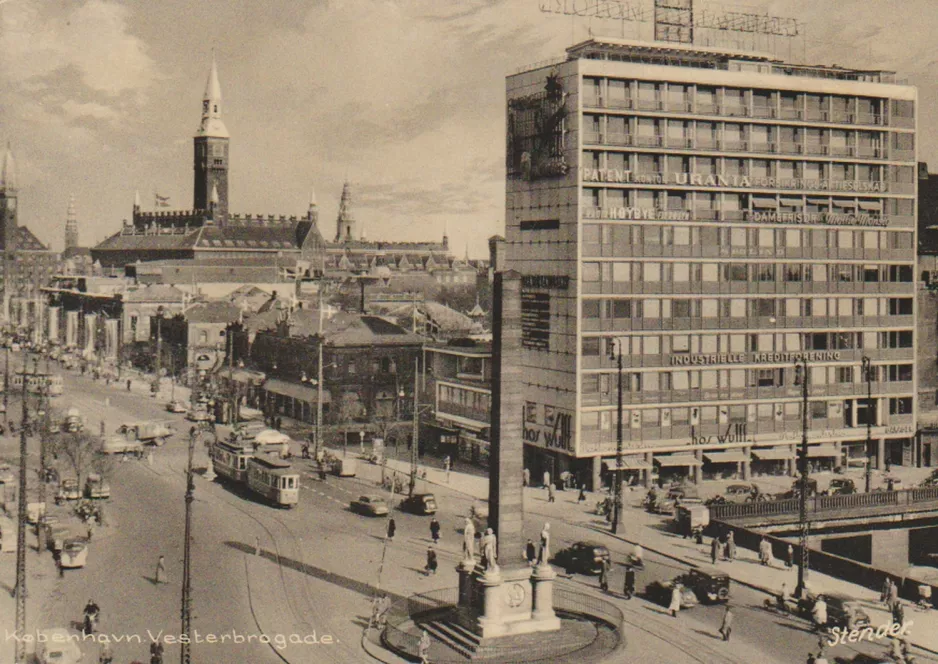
312,213
212,124
8,172
345,224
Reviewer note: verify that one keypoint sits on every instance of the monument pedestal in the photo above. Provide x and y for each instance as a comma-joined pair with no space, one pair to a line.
506,601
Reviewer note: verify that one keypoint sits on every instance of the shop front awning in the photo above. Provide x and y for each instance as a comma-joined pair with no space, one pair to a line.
726,456
244,376
774,454
763,202
792,202
677,460
870,205
295,391
629,463
819,451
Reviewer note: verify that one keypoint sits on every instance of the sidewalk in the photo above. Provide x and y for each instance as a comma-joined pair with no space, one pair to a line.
647,529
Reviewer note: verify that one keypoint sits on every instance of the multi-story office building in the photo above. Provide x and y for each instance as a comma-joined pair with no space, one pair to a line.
713,217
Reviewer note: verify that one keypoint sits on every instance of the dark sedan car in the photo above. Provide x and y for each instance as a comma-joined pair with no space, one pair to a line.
419,503
582,557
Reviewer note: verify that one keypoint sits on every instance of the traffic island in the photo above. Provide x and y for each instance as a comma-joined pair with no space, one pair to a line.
589,630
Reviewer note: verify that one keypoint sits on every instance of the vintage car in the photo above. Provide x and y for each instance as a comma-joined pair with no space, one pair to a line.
710,584
96,487
582,558
57,646
146,432
74,553
69,489
199,415
842,610
419,503
740,493
370,506
120,445
176,406
841,486
659,592
73,421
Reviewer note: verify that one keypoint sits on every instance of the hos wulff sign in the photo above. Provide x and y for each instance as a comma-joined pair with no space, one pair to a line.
554,433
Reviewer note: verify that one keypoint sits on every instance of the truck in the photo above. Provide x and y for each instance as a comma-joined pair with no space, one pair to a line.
120,445
97,488
146,432
73,421
691,517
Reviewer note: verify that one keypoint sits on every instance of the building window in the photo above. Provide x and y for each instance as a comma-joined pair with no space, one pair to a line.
530,412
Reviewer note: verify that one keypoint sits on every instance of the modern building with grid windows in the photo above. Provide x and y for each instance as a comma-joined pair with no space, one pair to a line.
713,217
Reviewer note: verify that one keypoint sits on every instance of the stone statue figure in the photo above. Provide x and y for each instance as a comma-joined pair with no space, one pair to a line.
469,540
545,544
489,551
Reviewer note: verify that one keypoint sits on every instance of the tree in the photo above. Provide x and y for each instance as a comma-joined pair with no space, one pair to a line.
80,449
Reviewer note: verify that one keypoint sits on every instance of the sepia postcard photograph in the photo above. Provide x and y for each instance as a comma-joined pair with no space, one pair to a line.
468,332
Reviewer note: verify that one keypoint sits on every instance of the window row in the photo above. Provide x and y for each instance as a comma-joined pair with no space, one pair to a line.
852,413
686,235
712,379
612,272
812,173
677,201
705,344
462,397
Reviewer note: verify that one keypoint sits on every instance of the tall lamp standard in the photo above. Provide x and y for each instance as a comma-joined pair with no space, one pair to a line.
801,373
617,505
868,377
159,349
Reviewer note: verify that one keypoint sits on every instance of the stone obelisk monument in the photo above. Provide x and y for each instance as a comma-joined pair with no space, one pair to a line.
502,595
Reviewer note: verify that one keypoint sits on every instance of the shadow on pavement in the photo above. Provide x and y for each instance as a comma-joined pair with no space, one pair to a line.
364,589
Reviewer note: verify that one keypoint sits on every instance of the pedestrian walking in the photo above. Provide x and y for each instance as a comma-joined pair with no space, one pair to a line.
128,385
447,464
526,477
160,570
884,595
392,528
424,648
764,551
714,550
730,546
893,593
58,563
819,614
675,604
551,497
431,562
582,496
789,556
604,575
106,656
156,652
727,627
90,529
435,530
629,586
530,552
546,479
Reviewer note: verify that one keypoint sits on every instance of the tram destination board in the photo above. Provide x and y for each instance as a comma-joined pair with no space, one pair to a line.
535,320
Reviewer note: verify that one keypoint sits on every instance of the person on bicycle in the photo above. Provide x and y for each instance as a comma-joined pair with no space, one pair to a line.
91,612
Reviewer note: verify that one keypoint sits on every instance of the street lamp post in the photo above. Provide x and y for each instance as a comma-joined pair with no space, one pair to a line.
868,376
186,608
415,436
19,589
801,368
6,390
159,349
617,478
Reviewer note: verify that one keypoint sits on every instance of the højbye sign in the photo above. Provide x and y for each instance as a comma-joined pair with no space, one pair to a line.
635,213
616,176
733,358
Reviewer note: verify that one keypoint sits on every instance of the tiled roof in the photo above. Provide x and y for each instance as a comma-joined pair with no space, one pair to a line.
26,241
340,329
212,312
155,293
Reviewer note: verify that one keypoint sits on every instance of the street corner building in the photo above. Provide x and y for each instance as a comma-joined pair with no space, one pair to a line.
712,217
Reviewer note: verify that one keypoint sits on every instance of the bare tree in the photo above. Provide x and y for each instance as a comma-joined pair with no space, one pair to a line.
80,449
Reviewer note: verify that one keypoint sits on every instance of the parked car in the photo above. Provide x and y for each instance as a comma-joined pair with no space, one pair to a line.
370,506
582,558
740,493
57,646
659,592
841,486
74,553
176,406
710,584
96,487
419,503
842,610
68,490
198,415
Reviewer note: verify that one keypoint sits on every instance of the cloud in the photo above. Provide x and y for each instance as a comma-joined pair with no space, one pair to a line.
74,110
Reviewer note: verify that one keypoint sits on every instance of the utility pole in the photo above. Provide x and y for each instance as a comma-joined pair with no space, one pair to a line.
617,478
185,657
20,589
414,444
6,390
159,350
42,421
319,371
803,492
868,376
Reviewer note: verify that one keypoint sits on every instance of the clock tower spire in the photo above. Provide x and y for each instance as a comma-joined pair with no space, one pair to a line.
211,151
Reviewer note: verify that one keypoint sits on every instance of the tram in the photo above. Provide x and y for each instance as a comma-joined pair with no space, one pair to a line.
273,479
230,460
51,385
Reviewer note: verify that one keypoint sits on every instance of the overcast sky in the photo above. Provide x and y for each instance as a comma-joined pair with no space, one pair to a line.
405,98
